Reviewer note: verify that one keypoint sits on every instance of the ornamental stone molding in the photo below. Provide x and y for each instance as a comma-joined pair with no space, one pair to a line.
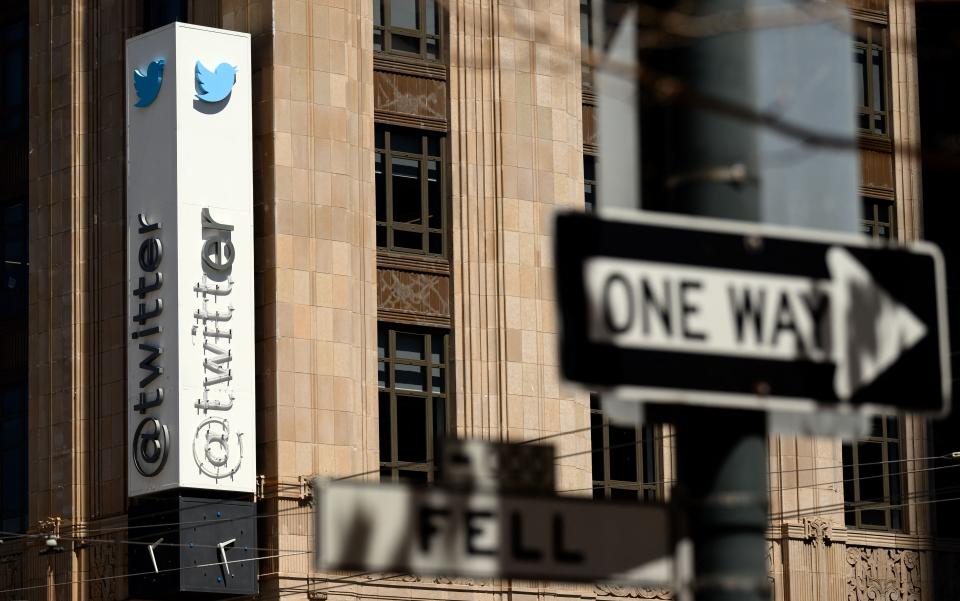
636,592
461,580
392,578
818,531
411,292
875,574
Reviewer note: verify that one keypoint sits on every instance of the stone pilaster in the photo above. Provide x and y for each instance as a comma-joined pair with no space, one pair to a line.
516,154
905,121
813,564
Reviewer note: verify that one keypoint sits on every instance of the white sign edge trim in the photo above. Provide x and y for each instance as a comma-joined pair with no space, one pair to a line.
802,234
182,25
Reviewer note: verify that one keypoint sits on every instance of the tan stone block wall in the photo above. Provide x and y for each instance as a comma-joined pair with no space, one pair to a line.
314,204
314,201
806,473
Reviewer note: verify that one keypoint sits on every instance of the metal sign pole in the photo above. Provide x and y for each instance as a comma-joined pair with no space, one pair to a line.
722,454
722,467
726,167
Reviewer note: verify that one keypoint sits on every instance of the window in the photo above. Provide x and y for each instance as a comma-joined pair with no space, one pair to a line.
871,67
624,458
586,42
590,183
877,218
157,13
872,478
410,200
13,77
13,458
412,379
13,251
407,28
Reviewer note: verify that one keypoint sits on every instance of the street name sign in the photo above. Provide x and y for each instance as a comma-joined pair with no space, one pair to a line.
445,532
691,310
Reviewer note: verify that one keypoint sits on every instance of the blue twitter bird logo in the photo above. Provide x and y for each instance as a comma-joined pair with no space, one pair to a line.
214,86
147,84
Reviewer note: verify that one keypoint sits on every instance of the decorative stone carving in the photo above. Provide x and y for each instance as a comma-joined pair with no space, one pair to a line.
819,531
415,96
411,292
771,581
636,592
459,580
394,577
882,574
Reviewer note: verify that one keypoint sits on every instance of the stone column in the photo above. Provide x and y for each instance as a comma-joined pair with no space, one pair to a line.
806,504
77,400
905,118
814,566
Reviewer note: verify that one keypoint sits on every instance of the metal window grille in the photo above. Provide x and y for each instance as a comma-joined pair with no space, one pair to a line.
873,478
870,60
625,461
411,215
407,28
412,380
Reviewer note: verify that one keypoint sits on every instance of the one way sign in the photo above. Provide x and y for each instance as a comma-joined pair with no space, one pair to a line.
706,311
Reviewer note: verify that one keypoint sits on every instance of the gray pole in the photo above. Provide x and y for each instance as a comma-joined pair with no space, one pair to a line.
721,454
729,166
722,467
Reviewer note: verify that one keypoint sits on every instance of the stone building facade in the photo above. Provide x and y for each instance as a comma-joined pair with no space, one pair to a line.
408,157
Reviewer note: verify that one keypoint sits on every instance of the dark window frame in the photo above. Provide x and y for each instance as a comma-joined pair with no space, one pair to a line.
13,114
157,13
873,37
646,486
14,255
386,31
589,184
14,517
586,43
890,437
391,466
386,226
872,223
14,269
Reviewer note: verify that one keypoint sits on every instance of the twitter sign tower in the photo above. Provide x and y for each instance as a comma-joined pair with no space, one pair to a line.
190,302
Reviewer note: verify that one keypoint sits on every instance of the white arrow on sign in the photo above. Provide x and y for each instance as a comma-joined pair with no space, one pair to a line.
847,320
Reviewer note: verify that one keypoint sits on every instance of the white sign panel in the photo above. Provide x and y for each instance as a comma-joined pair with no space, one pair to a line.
668,309
397,528
190,345
662,306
